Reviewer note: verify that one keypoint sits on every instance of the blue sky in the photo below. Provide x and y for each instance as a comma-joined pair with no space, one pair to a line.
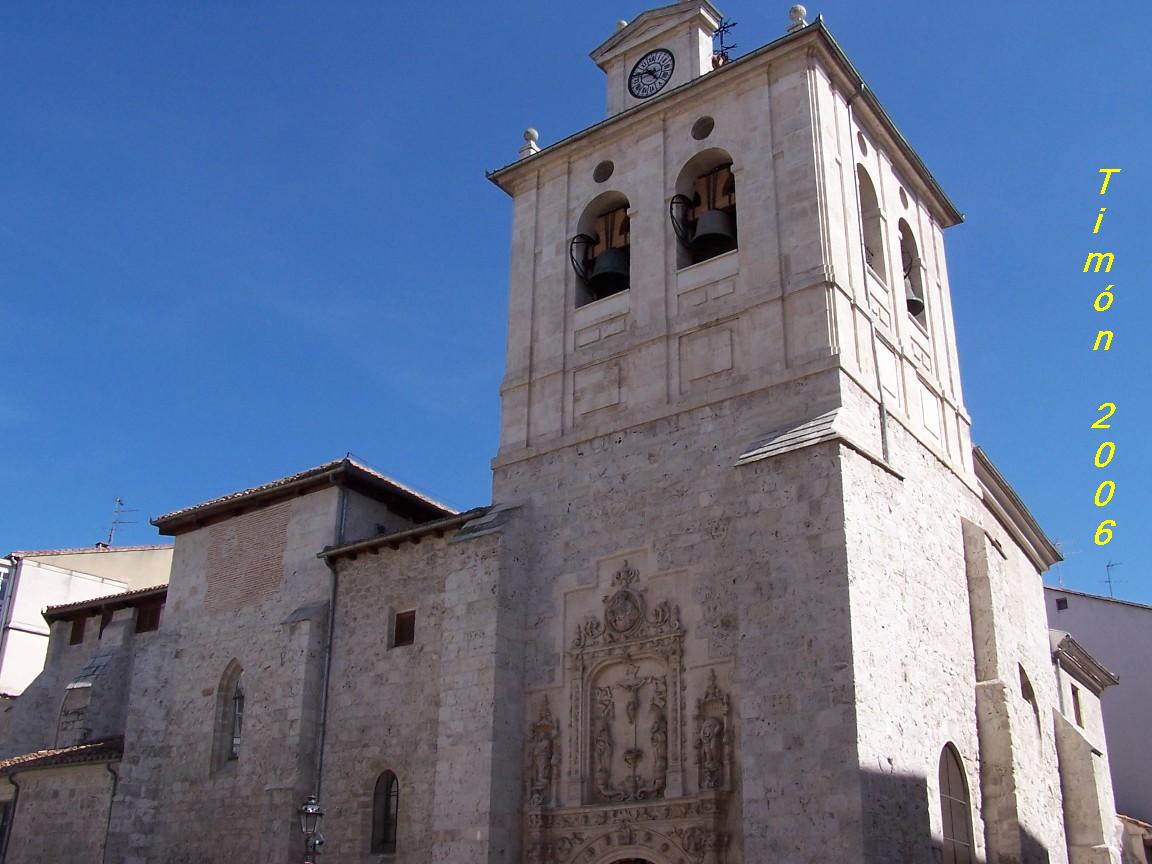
238,240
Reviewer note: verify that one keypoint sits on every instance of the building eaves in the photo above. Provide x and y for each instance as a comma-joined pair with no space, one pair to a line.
346,471
817,29
1075,659
86,550
1002,500
104,750
120,600
395,539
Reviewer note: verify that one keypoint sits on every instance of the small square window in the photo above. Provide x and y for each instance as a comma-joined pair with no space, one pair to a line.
1061,604
148,618
404,631
77,634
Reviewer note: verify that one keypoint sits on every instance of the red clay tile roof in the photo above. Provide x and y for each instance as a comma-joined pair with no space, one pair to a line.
53,613
104,750
84,550
347,464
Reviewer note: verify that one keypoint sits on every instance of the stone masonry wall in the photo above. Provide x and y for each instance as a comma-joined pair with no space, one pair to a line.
754,557
61,815
431,712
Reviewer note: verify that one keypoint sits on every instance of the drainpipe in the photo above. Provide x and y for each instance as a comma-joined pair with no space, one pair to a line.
11,819
111,804
321,732
864,275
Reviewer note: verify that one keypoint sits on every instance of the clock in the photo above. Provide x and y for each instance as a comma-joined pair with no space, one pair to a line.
651,73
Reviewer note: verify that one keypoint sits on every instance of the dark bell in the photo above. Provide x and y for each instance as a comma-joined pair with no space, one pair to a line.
915,304
715,234
609,273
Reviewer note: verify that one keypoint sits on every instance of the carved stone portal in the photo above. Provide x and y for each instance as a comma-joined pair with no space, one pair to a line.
626,698
625,782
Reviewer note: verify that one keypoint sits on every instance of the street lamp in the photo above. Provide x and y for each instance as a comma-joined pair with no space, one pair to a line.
311,813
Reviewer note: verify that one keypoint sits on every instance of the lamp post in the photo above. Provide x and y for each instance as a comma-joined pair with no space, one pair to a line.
311,813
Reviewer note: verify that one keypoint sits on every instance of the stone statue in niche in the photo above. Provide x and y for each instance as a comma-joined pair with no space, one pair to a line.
602,743
712,734
659,736
711,752
543,757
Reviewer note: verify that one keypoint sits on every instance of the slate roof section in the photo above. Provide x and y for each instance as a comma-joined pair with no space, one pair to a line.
104,750
346,471
119,600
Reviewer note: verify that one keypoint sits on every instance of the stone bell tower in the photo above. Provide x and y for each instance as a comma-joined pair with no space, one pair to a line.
731,413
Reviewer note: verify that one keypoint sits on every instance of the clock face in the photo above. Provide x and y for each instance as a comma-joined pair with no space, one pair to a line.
651,73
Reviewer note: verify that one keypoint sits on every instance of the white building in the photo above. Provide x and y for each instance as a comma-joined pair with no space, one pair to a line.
1119,635
30,581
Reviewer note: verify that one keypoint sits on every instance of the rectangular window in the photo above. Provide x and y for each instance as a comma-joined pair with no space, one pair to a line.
148,618
1076,706
77,634
404,632
1061,604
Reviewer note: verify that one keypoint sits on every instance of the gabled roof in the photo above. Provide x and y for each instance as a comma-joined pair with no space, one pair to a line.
104,750
86,550
347,472
122,600
652,20
1077,662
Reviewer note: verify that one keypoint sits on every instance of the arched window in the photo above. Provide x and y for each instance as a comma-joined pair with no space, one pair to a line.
955,809
873,229
230,698
236,726
601,251
703,210
913,274
385,809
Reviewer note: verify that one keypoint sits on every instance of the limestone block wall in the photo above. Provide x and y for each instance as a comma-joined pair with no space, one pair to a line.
755,558
948,624
442,714
61,815
912,645
917,366
251,590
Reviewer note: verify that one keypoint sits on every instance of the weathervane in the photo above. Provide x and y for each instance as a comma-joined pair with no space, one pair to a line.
720,53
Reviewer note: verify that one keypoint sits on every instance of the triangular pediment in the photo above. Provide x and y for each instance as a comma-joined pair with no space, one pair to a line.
653,23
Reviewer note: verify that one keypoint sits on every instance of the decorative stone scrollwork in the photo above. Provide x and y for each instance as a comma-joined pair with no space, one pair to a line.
625,616
543,757
713,736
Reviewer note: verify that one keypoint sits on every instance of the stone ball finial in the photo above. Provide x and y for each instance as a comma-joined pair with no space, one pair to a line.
796,15
531,136
621,24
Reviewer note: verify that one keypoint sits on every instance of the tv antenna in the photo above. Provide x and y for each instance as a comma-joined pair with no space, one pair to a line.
1108,577
720,53
118,510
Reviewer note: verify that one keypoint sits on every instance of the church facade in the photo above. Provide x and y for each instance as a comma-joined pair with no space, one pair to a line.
745,592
